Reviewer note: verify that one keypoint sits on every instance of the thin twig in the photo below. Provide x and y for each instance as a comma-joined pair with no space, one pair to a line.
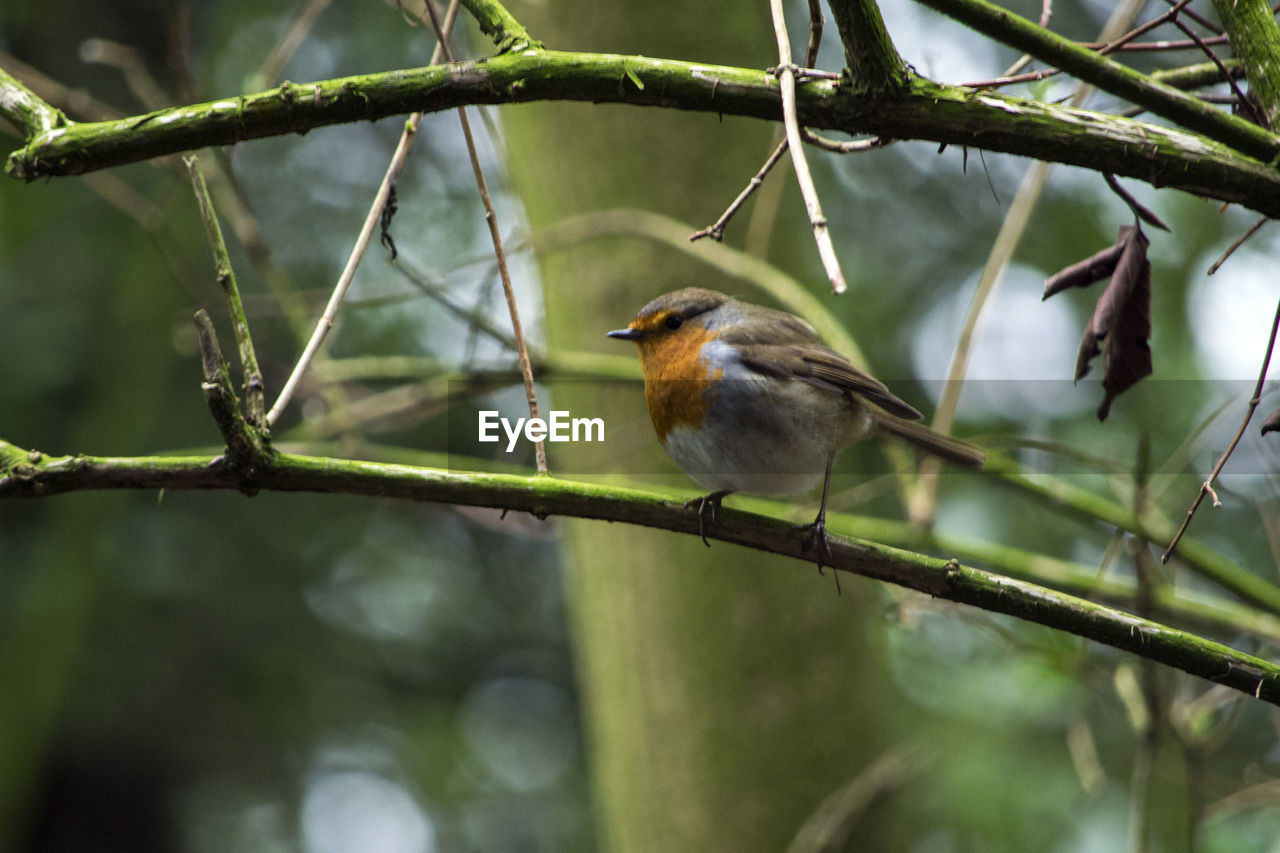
522,350
254,403
371,222
716,229
1231,80
787,83
1249,232
1139,210
1206,488
1102,47
815,34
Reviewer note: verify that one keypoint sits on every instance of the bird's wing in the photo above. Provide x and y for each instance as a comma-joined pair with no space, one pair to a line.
823,368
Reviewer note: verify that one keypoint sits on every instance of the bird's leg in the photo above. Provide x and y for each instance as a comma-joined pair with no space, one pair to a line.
713,501
818,529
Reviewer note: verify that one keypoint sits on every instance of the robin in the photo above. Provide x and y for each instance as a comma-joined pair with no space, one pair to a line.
747,399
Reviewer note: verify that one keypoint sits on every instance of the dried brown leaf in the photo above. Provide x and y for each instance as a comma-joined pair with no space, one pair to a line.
1122,317
1272,423
1084,273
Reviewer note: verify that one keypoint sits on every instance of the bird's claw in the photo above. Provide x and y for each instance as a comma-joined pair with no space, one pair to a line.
817,540
711,501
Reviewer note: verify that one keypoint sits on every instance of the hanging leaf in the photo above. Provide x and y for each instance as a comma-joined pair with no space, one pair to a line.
1086,272
1122,318
1272,423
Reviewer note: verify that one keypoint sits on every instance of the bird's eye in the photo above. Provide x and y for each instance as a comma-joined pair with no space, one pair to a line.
674,322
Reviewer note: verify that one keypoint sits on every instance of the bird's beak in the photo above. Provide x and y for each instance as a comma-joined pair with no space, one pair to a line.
626,334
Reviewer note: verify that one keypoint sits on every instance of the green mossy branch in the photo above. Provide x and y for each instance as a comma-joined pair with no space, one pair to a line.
24,109
1255,37
874,63
500,25
923,110
1111,76
28,473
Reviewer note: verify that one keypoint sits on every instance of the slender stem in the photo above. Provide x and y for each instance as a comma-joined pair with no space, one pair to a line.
1239,241
254,404
812,206
495,235
371,222
1207,487
716,229
1245,103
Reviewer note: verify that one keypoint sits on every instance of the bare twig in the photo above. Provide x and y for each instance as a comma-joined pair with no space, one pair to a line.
1231,80
1206,488
716,229
371,222
254,404
787,83
1249,232
1102,47
1140,211
815,33
522,350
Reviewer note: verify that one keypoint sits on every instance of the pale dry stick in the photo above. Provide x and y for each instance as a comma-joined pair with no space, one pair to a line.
371,221
716,229
787,83
522,350
924,497
1249,232
1206,488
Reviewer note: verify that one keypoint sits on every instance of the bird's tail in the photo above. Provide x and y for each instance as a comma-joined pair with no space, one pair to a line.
951,449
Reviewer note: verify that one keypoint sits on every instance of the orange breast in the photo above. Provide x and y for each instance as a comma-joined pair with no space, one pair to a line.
675,379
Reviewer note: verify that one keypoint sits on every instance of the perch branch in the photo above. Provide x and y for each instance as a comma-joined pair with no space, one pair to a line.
27,474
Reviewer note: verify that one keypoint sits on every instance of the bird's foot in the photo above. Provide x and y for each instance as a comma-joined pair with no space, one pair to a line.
817,540
707,502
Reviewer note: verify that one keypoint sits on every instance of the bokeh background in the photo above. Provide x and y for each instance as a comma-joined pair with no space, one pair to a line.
211,672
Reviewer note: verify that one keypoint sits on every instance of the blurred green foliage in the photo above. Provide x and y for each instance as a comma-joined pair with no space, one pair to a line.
207,672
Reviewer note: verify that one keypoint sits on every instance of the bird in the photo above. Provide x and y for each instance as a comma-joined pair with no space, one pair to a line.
746,398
